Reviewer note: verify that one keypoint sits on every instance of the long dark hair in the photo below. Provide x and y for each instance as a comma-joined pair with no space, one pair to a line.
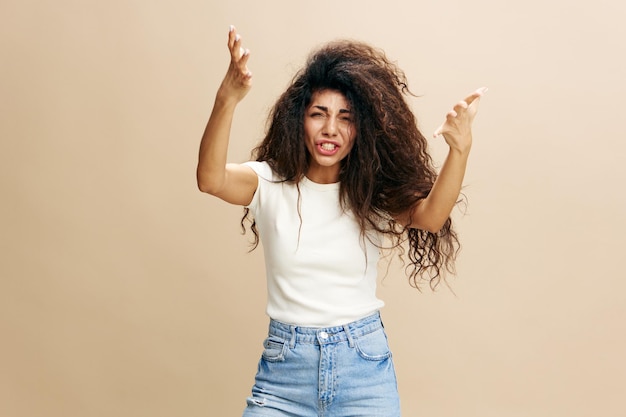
388,170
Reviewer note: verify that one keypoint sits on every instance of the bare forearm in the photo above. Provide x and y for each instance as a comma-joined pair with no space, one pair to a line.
212,172
214,146
433,212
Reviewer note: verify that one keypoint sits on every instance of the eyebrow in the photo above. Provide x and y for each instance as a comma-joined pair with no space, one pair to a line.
325,109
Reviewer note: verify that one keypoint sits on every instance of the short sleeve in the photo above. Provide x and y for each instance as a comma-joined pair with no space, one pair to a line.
264,172
262,169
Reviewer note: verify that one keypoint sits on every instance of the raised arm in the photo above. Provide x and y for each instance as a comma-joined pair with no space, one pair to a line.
232,183
433,211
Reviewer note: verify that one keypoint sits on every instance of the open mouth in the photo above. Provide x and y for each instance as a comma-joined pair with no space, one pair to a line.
327,148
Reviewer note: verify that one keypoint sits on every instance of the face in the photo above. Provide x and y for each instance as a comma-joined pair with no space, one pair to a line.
329,134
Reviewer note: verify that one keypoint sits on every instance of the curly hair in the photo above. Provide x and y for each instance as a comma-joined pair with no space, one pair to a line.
388,170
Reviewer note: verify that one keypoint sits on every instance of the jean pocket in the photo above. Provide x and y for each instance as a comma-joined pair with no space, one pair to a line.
373,346
274,349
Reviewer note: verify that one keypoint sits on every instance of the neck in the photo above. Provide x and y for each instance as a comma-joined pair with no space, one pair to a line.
323,175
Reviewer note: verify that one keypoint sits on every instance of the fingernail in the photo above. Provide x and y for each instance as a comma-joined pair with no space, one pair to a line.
231,28
237,38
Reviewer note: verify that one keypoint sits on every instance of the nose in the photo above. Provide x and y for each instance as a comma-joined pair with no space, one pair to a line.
330,127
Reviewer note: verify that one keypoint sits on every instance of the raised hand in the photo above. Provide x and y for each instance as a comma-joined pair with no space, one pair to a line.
457,128
238,79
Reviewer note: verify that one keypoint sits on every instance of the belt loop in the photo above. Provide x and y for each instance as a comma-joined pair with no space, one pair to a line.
346,329
292,342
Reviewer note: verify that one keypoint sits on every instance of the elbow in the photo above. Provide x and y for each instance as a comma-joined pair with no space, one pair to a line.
432,230
207,184
429,224
207,188
204,187
433,226
429,220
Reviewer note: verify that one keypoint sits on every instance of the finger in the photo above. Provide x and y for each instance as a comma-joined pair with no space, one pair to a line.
245,55
460,106
472,97
236,49
438,131
450,116
475,95
242,64
234,45
232,33
239,51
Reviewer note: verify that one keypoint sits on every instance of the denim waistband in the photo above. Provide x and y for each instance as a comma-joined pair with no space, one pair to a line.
324,335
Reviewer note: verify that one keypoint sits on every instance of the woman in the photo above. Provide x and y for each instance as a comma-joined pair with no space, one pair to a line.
342,173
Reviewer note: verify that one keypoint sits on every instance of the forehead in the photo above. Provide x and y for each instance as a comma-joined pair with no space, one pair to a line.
331,99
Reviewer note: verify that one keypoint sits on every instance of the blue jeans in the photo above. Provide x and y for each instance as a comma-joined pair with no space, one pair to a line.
325,372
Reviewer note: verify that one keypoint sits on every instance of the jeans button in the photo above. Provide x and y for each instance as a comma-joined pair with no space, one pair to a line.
324,335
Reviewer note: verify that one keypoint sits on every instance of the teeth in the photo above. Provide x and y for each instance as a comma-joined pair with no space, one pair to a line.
328,146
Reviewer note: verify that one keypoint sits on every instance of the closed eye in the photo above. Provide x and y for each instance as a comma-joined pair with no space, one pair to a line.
345,115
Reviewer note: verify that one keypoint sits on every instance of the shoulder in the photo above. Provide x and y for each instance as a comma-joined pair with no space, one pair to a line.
264,171
269,185
261,168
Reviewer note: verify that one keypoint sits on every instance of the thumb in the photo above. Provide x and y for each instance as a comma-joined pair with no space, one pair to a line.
438,131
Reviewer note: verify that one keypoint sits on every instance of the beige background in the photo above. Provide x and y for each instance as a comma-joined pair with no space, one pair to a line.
126,292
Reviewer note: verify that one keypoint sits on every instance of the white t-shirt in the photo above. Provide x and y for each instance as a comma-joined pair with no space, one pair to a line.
320,271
